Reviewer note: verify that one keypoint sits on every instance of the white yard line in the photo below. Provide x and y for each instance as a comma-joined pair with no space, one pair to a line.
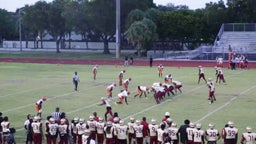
226,104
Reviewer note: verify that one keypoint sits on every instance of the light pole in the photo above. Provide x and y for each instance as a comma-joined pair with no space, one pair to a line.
20,30
118,33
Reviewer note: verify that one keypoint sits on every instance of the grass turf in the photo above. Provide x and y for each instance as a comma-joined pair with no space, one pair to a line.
23,84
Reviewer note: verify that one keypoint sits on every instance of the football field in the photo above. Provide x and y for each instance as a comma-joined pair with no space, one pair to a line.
22,84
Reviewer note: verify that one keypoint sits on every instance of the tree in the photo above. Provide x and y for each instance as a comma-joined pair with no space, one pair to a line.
141,32
8,29
56,22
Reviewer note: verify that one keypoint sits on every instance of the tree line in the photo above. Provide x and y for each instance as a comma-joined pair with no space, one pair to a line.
142,22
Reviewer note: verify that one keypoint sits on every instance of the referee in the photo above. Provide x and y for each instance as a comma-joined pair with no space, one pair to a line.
56,114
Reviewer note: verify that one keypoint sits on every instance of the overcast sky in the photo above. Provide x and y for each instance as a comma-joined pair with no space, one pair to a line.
12,5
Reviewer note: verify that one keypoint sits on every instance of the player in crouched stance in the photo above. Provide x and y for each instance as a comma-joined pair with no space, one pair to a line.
211,87
123,97
142,90
248,137
212,135
109,89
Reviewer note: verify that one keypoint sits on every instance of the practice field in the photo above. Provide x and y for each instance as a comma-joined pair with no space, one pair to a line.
22,84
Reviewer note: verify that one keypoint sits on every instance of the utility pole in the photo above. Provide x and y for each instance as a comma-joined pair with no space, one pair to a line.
118,33
20,30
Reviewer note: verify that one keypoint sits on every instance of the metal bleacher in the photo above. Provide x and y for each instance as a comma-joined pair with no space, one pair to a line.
240,37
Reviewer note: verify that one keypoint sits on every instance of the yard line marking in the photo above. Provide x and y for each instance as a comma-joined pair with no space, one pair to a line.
226,104
20,92
65,94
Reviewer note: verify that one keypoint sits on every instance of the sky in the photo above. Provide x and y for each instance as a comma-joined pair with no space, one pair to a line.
12,5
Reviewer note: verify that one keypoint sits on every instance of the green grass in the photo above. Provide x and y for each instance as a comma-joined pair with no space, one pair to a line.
63,55
21,85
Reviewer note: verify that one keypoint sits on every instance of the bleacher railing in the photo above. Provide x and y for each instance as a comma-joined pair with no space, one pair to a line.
243,27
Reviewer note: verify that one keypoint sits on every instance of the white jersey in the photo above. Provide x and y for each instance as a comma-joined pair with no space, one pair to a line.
80,128
92,125
123,94
152,129
121,131
36,127
109,135
53,128
138,129
176,82
100,127
230,132
143,88
189,131
212,134
112,86
160,135
130,127
198,134
249,138
5,126
173,133
63,129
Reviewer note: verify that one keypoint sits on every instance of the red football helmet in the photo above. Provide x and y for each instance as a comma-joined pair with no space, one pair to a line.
128,92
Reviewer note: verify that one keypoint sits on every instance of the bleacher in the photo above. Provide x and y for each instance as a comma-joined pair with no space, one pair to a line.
242,42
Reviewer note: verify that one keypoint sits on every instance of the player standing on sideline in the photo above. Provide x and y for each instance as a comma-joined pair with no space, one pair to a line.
63,130
201,74
121,132
123,96
138,132
173,133
153,131
108,107
109,89
160,70
75,80
198,135
52,131
100,131
109,132
5,124
212,135
248,137
94,71
230,133
189,132
126,83
211,87
142,90
120,77
130,125
37,130
39,106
